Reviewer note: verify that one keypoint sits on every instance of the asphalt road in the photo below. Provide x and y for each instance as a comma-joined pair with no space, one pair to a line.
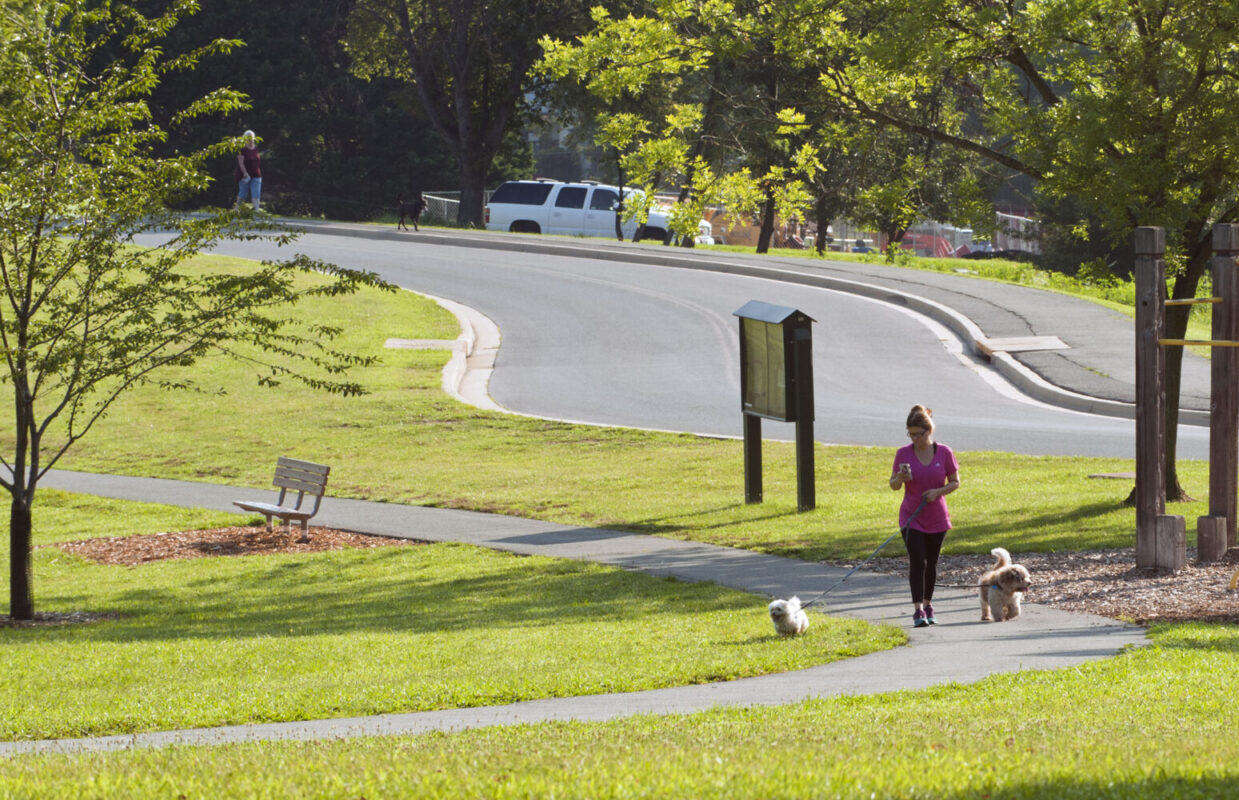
656,347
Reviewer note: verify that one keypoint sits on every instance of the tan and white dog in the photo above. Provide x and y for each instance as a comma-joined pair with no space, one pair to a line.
788,617
1002,588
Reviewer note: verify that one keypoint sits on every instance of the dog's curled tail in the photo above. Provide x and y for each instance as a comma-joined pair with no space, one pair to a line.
1004,558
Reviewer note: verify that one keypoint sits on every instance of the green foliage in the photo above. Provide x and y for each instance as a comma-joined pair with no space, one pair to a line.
332,144
1097,273
731,133
468,63
85,316
1121,107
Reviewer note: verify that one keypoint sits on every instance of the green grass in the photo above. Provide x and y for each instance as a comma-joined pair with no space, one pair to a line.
216,641
290,634
408,442
1155,722
1119,292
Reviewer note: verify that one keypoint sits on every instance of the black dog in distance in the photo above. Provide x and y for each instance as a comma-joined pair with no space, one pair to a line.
410,211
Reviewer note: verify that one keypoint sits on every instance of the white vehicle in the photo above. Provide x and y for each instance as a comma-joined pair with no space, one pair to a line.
570,209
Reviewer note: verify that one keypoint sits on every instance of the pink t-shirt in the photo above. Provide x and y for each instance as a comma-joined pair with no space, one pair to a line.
934,517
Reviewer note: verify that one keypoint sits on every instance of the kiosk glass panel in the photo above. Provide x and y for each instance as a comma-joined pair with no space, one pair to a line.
765,369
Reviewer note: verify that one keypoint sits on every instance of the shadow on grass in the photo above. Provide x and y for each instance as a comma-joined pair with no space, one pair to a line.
572,536
661,524
994,532
1154,785
312,595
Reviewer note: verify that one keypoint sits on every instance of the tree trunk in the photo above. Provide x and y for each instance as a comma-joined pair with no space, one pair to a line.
21,586
821,210
894,241
1185,287
472,194
767,224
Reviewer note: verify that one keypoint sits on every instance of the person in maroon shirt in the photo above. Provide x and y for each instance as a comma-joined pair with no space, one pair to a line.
249,172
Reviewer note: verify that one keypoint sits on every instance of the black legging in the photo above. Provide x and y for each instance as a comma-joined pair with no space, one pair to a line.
923,550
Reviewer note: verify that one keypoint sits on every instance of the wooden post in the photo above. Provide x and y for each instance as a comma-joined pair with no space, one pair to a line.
1150,273
1224,396
1171,547
1210,538
752,459
806,481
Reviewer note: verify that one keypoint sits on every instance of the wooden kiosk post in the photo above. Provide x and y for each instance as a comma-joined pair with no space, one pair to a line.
1161,540
1215,534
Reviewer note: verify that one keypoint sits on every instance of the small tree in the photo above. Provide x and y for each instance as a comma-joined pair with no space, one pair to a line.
85,313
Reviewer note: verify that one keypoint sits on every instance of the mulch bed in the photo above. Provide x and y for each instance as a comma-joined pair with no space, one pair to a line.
48,619
131,551
1106,583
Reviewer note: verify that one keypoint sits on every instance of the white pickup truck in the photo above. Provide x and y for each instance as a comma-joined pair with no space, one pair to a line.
571,209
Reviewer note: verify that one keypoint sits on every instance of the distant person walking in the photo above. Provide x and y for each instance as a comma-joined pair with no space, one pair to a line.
249,172
928,472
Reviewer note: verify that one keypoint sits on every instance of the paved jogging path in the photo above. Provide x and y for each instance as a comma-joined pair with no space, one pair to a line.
959,649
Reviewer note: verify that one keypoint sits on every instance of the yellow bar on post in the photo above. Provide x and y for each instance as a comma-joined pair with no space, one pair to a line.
1195,301
1198,342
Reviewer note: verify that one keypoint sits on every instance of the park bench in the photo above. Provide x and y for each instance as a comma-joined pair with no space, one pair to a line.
304,478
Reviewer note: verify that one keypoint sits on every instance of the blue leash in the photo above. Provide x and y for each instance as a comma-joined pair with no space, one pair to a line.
870,558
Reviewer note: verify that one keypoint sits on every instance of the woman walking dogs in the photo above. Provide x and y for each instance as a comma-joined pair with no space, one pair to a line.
928,472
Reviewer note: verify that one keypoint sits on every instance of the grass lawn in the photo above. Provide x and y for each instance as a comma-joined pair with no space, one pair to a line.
215,641
1155,722
408,442
287,637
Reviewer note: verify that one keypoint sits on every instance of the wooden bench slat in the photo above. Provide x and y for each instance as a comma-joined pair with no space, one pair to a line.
280,511
308,466
299,484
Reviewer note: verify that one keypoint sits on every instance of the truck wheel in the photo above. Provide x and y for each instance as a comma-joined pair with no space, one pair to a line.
524,226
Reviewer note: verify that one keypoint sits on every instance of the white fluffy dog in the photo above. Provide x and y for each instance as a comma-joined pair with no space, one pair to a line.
788,617
1002,587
